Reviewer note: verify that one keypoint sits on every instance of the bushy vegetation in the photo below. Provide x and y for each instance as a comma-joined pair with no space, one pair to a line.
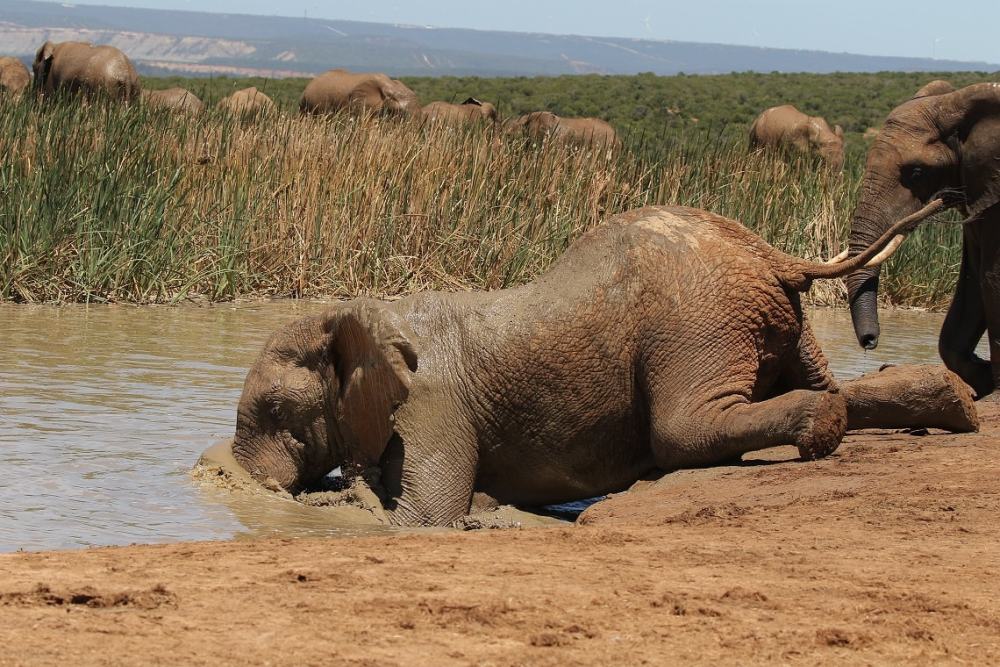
126,204
647,106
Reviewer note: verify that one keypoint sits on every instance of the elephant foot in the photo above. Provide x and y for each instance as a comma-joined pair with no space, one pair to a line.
908,396
823,426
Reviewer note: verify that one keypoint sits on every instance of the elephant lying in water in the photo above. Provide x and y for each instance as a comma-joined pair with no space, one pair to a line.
665,338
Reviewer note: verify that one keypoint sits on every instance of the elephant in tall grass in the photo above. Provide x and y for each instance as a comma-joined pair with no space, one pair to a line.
946,143
665,338
788,129
81,67
541,124
14,77
247,102
468,112
366,92
176,99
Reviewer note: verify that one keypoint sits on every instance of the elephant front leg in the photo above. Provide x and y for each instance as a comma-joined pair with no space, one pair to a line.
427,485
727,428
964,326
910,397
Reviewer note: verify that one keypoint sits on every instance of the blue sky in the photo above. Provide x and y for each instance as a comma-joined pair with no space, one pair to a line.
959,30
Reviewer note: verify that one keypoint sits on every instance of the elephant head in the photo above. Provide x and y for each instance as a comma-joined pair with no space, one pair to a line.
390,96
827,142
322,394
940,143
43,63
536,124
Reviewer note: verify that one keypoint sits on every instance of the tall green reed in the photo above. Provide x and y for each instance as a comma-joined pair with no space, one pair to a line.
111,203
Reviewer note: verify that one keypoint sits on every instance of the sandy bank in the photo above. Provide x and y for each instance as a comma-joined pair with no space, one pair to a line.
885,552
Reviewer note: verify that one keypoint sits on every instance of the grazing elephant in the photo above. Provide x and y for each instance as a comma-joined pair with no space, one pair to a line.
247,102
368,93
667,337
941,141
541,124
468,112
81,67
789,129
14,77
180,100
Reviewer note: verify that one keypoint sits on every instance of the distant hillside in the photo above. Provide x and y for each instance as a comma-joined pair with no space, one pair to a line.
193,43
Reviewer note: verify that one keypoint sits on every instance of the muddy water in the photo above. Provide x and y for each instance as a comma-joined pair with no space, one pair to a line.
104,409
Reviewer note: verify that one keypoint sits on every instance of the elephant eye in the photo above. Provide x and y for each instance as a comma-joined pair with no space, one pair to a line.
914,174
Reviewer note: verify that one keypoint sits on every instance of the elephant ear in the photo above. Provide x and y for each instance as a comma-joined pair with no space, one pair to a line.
372,361
366,97
45,51
43,61
969,122
980,164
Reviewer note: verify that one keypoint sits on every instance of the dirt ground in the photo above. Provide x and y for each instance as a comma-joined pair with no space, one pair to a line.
886,552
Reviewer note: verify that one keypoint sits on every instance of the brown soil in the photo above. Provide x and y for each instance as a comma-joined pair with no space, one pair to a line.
884,552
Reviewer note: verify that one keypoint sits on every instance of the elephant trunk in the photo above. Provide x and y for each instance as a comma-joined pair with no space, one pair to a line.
862,285
274,459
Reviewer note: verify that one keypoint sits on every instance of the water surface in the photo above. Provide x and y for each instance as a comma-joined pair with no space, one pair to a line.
104,409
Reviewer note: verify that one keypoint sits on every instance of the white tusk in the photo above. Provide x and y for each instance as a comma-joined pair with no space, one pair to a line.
839,258
887,251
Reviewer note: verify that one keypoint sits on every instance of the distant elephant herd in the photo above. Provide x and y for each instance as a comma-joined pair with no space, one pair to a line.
83,67
665,338
80,67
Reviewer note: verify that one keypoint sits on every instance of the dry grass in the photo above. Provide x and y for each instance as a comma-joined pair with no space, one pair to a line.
123,204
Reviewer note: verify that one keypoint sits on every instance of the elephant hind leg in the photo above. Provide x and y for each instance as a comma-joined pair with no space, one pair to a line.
725,429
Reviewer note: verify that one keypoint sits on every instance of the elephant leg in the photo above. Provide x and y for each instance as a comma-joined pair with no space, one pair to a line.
809,412
808,368
728,427
927,396
964,326
425,486
896,397
984,241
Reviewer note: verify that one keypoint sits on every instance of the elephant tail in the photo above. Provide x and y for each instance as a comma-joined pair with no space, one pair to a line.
799,273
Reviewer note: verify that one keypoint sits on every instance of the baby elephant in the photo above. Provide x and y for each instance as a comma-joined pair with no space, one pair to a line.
541,124
665,338
178,100
247,103
469,112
